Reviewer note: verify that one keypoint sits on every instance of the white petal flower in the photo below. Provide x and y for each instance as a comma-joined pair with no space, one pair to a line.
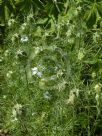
34,71
39,74
47,95
19,52
24,39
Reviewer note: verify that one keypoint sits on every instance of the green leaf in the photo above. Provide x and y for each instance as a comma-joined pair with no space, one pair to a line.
99,8
91,20
42,21
83,120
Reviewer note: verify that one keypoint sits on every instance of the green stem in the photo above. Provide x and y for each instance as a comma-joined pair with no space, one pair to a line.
73,120
26,78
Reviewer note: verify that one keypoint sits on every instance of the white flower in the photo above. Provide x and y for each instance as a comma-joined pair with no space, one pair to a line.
24,39
19,52
39,74
47,95
34,71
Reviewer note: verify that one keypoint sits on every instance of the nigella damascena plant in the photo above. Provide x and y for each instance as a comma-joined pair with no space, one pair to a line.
17,110
24,39
35,71
47,95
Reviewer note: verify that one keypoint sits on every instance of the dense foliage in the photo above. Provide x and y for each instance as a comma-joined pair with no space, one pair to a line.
51,68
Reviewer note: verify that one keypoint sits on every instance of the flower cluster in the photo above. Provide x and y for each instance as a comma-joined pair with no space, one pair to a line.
17,110
35,71
24,39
